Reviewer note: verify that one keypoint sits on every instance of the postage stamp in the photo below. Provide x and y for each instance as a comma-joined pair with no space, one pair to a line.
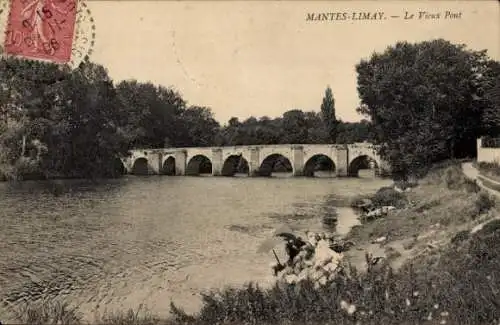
61,31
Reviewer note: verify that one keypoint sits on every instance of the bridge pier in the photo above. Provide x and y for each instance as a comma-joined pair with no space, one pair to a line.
155,163
180,162
342,161
217,162
253,164
298,160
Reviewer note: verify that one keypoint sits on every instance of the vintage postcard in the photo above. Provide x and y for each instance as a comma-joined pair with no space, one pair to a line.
249,162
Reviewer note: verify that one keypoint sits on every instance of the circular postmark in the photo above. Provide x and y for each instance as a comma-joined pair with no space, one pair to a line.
60,31
83,43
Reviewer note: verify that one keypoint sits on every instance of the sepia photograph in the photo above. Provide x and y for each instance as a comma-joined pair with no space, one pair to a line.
219,162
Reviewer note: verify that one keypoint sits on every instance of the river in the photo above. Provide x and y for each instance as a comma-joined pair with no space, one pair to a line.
117,244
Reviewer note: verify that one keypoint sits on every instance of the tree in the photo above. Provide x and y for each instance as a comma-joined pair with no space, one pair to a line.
295,128
199,127
316,131
350,132
82,136
491,89
68,117
424,101
328,114
150,114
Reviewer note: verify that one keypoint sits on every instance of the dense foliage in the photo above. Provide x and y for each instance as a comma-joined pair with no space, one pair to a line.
58,122
428,101
295,126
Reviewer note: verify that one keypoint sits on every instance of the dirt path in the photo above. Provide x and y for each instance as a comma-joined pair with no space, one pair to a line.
472,173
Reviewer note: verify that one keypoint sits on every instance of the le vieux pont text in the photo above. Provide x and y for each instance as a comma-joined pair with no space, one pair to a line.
380,15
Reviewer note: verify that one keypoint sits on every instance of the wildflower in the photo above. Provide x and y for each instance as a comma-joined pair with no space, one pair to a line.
408,302
443,322
429,318
415,294
444,314
436,306
349,308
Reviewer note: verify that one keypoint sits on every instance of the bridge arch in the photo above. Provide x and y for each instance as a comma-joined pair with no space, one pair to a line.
235,164
362,162
140,166
168,166
199,164
277,163
318,162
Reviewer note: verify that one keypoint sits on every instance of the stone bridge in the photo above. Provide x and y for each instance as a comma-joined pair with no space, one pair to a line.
256,160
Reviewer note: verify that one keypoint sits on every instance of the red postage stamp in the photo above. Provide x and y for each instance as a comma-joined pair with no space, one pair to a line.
41,29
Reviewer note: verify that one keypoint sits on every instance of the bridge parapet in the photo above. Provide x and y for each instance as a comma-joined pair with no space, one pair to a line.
344,157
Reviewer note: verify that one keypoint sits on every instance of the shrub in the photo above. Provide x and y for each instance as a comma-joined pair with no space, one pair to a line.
471,186
389,196
492,167
454,179
484,202
358,200
428,205
460,237
405,184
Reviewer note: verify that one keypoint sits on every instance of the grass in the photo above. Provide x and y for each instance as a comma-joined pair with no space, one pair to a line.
444,197
405,184
48,313
458,283
493,185
490,170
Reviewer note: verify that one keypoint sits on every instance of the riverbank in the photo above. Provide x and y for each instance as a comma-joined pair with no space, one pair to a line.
436,258
445,203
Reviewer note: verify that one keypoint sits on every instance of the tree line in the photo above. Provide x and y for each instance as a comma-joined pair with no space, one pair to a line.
58,122
423,102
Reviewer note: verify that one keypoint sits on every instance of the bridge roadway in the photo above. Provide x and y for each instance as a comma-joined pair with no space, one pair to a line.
258,160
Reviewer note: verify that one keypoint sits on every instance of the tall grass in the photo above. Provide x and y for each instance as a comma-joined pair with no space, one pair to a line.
48,312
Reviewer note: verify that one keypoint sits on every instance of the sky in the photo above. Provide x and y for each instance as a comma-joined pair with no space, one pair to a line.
259,58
